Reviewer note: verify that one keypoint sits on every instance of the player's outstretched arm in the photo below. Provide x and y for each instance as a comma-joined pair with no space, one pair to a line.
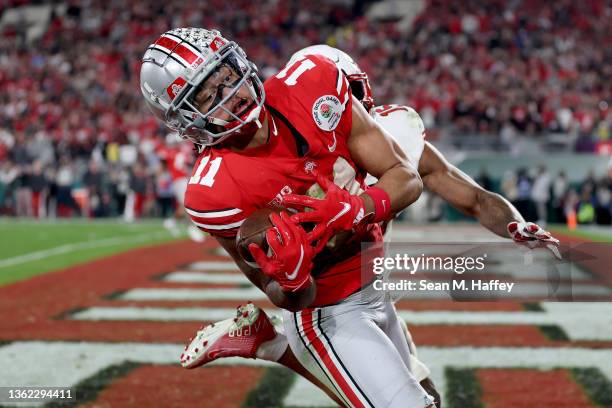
372,149
292,301
458,189
492,210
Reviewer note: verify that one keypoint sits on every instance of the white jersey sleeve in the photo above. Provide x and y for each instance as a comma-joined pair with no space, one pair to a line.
405,126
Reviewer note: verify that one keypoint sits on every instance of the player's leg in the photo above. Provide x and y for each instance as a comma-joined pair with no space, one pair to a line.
289,360
250,334
397,331
347,351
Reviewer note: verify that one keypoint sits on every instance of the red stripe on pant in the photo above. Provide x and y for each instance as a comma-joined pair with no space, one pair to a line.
320,350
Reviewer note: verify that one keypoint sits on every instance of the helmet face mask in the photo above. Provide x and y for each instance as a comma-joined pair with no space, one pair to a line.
360,87
221,72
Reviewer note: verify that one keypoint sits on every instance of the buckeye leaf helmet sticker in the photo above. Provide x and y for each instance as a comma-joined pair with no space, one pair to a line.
326,112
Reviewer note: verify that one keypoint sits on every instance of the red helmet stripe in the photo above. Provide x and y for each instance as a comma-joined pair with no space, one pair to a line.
179,49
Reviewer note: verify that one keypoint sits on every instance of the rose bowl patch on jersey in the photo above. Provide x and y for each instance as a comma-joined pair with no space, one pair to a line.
326,112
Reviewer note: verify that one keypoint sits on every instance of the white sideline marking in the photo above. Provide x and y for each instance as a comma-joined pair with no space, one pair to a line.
67,363
526,290
33,363
437,359
305,394
206,277
198,314
569,316
240,294
67,248
214,266
523,290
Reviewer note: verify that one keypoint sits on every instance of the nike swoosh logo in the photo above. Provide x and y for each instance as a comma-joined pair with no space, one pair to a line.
343,211
332,147
274,130
294,274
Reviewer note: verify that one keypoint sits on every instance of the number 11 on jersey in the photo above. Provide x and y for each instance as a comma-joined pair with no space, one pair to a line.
209,178
304,65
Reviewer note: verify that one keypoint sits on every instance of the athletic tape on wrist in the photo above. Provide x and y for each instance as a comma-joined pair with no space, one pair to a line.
382,203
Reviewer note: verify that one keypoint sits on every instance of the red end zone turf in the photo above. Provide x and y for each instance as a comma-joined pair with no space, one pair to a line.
43,307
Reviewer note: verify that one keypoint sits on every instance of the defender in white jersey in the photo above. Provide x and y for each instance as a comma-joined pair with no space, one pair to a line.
495,213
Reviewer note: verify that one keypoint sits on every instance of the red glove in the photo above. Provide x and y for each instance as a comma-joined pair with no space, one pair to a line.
291,260
338,211
523,232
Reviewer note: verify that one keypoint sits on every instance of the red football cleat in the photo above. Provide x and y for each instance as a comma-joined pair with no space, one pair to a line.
239,336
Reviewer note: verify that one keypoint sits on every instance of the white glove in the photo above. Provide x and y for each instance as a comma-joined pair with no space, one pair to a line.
534,235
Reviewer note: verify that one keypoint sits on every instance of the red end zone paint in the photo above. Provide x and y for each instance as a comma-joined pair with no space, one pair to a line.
33,304
522,388
480,336
451,305
169,386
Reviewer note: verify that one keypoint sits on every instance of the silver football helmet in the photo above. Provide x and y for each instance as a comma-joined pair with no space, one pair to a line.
176,67
358,79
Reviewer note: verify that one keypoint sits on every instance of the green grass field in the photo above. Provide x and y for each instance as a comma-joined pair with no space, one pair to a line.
31,247
597,235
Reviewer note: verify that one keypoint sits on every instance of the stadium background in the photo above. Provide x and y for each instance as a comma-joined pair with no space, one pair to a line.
504,88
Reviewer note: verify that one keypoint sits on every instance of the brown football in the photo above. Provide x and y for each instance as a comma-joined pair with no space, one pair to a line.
253,231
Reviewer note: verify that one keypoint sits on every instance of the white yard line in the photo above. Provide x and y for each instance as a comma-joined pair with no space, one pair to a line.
214,266
568,316
206,277
32,363
167,294
67,248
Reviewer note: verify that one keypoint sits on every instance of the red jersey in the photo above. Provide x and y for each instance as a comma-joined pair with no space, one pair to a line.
309,121
177,160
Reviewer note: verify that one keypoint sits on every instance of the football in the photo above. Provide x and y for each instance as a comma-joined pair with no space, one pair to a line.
253,231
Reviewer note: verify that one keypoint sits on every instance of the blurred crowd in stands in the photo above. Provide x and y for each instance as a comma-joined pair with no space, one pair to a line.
544,198
75,137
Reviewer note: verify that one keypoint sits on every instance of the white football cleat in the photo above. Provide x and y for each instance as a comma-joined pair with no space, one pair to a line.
240,336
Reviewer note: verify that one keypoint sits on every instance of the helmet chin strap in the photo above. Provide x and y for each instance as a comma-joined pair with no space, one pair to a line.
217,121
253,116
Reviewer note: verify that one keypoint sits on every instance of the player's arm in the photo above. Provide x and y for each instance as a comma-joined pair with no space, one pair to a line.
492,210
458,189
372,149
292,301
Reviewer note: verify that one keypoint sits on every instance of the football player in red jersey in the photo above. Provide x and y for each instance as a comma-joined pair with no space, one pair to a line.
299,133
178,158
407,128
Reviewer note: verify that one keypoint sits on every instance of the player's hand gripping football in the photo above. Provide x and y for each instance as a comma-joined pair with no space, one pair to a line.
291,260
338,211
533,235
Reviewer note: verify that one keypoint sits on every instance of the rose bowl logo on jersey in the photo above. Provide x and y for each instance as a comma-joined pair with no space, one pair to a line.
326,112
